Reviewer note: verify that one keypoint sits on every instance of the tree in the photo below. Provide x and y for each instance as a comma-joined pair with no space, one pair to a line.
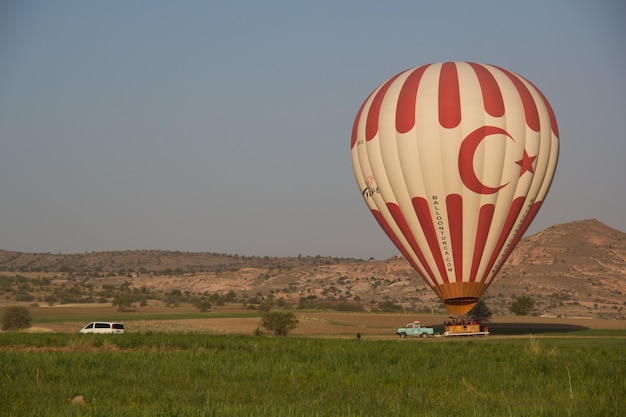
123,302
522,305
389,306
203,305
230,296
16,318
481,312
279,322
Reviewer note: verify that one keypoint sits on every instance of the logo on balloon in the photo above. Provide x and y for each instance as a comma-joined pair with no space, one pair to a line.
370,189
466,159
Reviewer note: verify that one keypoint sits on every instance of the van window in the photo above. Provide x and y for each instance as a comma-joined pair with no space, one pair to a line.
118,326
102,326
89,326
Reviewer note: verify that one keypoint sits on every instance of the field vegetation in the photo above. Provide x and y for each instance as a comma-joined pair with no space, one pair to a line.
161,374
195,343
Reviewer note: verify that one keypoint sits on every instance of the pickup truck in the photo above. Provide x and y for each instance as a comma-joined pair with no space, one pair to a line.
415,329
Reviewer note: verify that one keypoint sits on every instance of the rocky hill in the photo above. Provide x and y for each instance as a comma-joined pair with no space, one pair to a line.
573,270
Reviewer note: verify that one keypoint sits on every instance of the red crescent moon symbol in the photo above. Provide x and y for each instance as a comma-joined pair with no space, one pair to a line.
466,159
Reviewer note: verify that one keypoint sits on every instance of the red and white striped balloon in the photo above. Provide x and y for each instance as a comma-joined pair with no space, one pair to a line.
454,160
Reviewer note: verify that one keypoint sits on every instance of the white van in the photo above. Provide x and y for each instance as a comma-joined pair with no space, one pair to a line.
103,327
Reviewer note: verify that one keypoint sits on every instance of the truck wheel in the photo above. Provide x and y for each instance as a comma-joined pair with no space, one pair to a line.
424,335
403,335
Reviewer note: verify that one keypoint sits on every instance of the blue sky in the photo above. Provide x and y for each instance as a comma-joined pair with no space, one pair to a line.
225,126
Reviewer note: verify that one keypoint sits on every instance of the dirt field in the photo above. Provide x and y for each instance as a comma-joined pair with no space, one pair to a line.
318,324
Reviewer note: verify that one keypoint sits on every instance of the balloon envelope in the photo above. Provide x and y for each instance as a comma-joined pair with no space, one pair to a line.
454,160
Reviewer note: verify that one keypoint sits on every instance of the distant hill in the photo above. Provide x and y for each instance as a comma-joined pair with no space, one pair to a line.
576,269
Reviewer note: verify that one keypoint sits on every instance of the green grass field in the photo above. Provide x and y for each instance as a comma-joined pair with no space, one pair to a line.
163,374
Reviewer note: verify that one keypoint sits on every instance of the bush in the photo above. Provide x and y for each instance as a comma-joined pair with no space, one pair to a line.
279,322
481,312
24,296
522,305
16,318
123,302
390,307
203,305
345,306
266,305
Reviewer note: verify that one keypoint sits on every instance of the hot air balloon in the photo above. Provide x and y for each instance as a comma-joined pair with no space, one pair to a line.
454,160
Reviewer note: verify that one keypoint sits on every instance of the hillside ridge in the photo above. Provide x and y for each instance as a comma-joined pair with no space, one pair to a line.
571,269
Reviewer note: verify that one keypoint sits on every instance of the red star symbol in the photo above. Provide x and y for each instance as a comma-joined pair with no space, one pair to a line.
526,163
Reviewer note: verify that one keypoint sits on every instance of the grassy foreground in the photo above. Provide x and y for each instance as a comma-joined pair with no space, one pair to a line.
162,374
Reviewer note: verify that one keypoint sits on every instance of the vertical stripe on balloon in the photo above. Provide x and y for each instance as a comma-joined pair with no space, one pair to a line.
371,126
553,124
530,107
492,95
523,227
485,217
397,215
405,111
449,96
383,224
509,223
355,127
454,207
420,205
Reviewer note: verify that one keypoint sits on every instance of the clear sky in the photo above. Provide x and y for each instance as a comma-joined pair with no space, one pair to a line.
224,126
